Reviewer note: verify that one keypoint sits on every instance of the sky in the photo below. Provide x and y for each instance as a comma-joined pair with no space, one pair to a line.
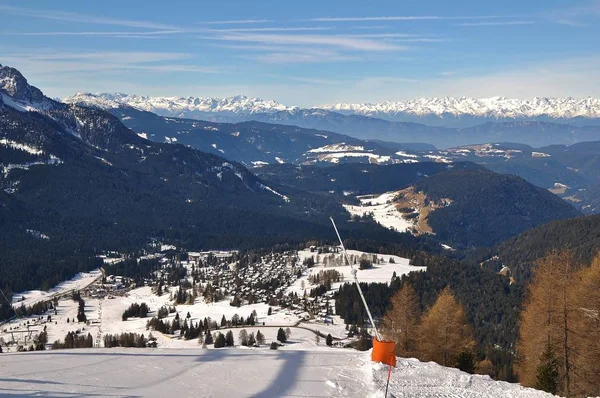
308,52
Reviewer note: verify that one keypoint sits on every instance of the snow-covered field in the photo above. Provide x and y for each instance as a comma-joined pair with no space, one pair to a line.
79,282
236,372
384,211
380,273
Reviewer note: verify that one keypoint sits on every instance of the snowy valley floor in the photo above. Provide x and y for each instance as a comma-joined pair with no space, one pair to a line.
234,372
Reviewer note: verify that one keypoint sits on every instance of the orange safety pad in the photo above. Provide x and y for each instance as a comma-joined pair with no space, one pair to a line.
384,352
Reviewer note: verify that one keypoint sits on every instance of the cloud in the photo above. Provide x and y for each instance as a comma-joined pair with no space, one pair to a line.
400,18
49,62
577,16
81,18
270,29
96,33
235,22
495,23
303,56
340,41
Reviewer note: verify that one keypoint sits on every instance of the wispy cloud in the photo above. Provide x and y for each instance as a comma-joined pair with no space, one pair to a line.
495,23
269,29
576,16
300,57
46,62
81,18
340,41
95,33
235,22
401,18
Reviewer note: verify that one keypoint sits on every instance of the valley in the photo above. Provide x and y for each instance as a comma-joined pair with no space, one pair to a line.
184,238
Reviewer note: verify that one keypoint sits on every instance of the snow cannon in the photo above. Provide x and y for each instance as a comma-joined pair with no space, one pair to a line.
384,352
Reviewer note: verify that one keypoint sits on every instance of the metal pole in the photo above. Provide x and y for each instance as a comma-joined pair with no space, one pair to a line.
353,272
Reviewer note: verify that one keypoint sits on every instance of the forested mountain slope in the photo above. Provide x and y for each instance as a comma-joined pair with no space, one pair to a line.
580,235
484,208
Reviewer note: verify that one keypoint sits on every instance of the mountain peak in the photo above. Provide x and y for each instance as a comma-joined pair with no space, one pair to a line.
14,84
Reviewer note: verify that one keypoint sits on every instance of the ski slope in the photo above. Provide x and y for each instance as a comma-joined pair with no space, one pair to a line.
236,372
78,282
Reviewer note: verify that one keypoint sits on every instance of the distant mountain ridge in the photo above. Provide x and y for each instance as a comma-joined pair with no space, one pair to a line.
495,108
180,106
440,122
445,108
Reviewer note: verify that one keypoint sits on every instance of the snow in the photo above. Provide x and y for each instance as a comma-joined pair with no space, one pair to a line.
539,155
103,160
20,106
238,372
279,160
406,155
20,146
341,147
78,282
498,107
384,211
438,158
179,106
143,135
336,156
380,273
285,198
259,163
6,169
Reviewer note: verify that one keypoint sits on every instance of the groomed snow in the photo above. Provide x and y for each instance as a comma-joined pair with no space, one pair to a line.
79,282
236,372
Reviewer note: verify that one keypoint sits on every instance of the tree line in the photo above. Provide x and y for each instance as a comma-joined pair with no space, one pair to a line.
559,332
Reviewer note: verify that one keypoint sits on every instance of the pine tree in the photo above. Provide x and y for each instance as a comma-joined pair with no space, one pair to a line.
465,362
220,340
281,335
260,338
329,340
243,336
402,320
208,339
444,332
251,340
229,339
547,371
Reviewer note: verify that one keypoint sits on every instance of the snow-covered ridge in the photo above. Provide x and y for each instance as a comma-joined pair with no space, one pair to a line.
498,107
341,147
494,107
175,105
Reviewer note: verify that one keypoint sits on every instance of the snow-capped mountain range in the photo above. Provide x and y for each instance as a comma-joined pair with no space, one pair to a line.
180,106
496,107
446,107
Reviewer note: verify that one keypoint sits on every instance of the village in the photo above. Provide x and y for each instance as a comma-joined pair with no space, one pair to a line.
291,289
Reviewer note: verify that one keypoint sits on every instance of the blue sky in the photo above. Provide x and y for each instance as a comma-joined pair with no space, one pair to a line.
306,52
